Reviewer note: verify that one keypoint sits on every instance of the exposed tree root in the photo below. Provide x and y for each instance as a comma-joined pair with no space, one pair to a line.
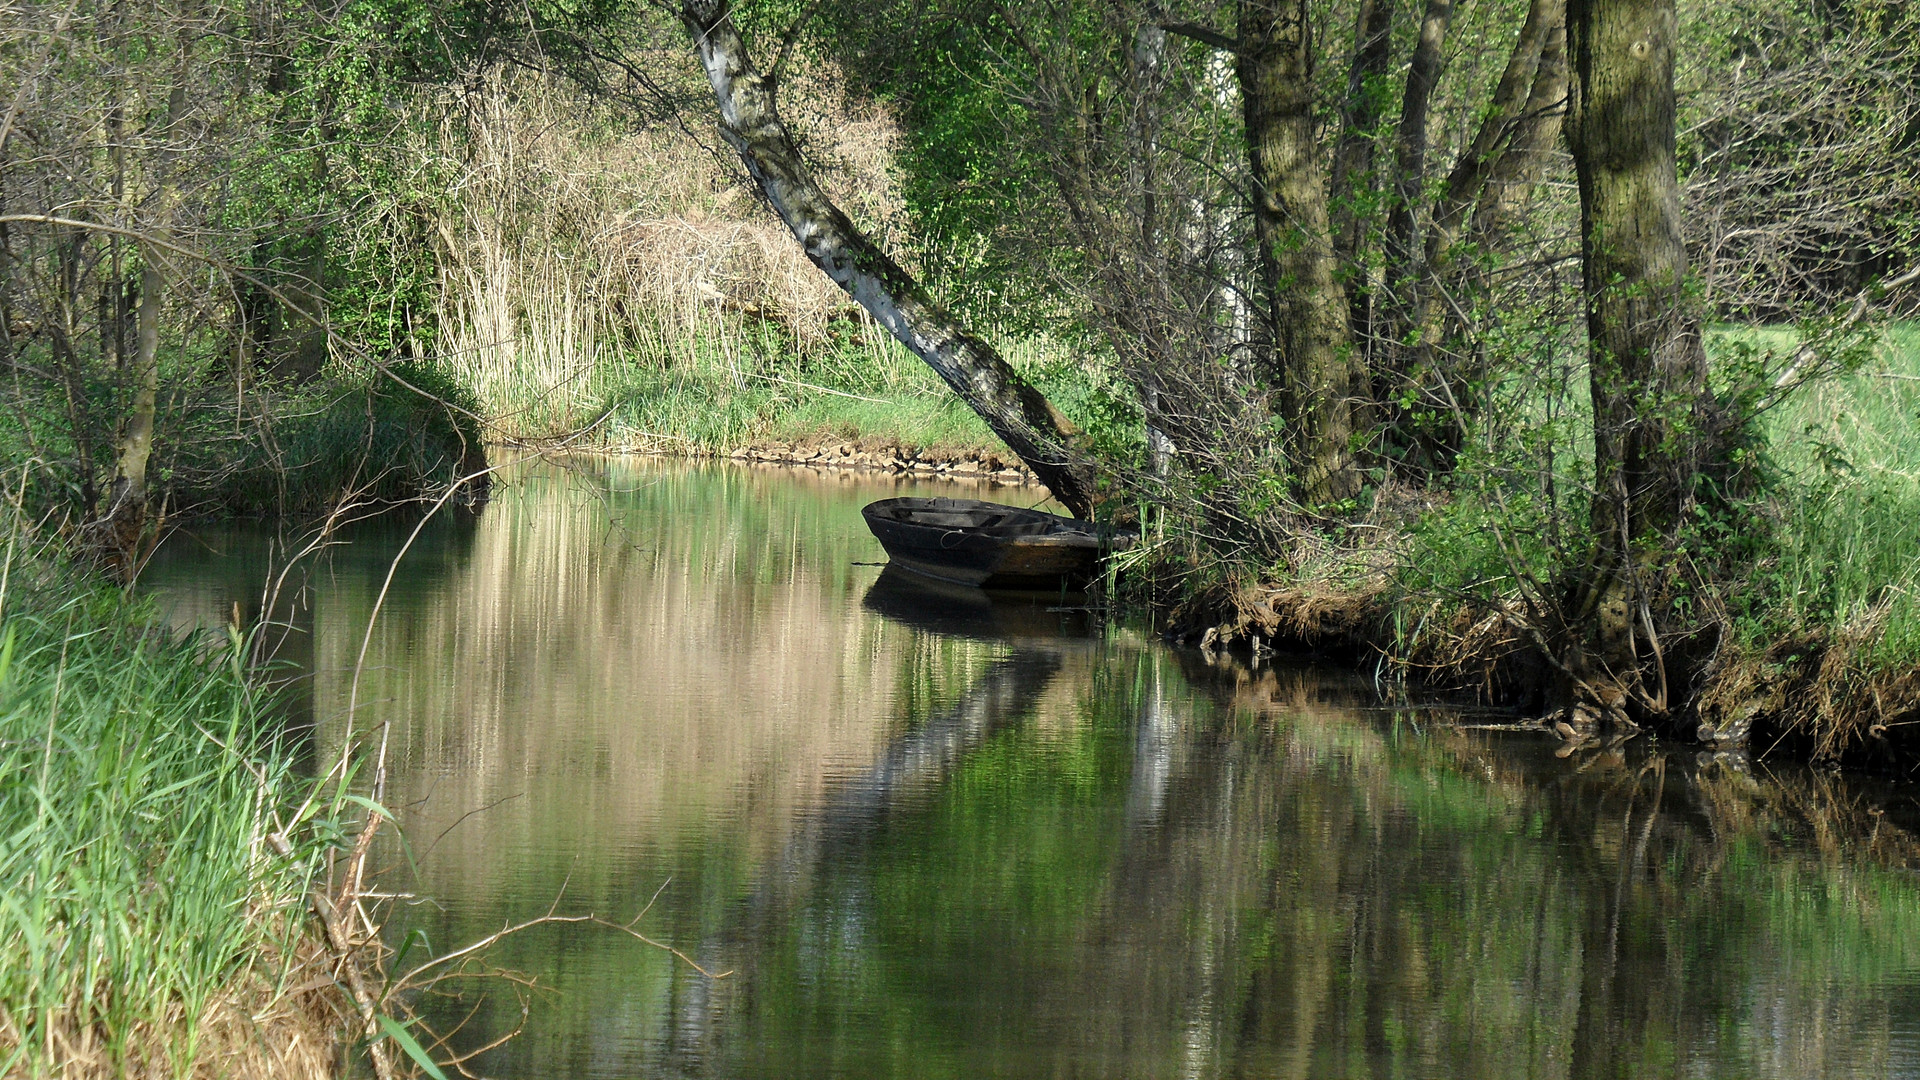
1817,697
1809,697
1448,645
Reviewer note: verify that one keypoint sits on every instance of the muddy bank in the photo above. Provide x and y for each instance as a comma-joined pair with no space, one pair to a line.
1808,699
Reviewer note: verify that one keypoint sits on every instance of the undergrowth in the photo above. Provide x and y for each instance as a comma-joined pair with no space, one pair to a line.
357,433
149,926
1815,577
1846,510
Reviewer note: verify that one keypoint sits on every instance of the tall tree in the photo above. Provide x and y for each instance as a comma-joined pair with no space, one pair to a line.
1410,142
1492,173
1652,410
1354,178
1306,307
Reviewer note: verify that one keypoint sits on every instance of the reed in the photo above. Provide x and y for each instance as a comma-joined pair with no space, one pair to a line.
611,285
579,253
151,908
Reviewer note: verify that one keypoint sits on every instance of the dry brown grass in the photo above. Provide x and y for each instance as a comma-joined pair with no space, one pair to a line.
1826,697
280,1018
571,241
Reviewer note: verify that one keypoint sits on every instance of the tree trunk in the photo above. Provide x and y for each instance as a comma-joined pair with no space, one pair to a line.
1410,147
1306,307
1354,182
1393,363
1511,183
1148,70
127,500
1652,411
1502,121
1435,433
750,122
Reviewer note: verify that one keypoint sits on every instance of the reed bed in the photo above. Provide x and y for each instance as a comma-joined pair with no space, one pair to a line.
585,261
151,904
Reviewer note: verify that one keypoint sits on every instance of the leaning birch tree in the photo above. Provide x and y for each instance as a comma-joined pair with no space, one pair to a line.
750,122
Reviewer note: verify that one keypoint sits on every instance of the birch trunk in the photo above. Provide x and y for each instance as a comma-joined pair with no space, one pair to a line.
750,122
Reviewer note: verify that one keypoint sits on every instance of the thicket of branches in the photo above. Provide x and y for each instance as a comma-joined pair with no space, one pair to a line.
197,211
1357,257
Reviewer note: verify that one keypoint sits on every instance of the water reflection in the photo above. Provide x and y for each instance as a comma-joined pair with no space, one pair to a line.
936,833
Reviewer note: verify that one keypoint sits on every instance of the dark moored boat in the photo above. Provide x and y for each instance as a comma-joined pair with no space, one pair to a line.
987,544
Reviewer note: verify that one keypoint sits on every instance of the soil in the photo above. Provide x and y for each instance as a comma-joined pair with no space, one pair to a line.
891,456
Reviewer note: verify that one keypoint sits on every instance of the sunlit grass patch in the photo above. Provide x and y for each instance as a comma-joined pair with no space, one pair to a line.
1846,553
717,393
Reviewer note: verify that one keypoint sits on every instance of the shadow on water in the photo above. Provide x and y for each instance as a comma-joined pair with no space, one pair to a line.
940,833
241,573
939,607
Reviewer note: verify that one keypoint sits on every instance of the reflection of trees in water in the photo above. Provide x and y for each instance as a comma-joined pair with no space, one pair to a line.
1369,903
1298,884
905,777
1091,859
638,655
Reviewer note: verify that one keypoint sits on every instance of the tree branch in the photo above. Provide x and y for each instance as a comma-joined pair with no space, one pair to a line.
1205,35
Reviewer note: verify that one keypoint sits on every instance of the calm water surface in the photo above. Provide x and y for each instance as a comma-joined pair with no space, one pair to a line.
931,835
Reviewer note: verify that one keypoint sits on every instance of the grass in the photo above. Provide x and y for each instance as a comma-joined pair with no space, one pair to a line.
1835,537
147,926
1819,571
355,432
715,397
1846,553
740,384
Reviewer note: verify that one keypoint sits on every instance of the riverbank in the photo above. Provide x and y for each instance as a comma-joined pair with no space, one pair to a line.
888,455
1816,656
155,873
1812,653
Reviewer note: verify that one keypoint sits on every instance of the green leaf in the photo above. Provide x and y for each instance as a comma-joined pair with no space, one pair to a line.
398,1033
371,806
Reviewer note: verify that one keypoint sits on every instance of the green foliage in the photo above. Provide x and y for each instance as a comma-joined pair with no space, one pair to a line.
720,392
976,183
1842,503
329,204
372,436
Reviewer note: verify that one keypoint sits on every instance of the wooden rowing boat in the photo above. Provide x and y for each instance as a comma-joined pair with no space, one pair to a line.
988,544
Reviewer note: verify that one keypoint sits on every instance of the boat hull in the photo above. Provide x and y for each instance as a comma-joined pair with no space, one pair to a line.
986,544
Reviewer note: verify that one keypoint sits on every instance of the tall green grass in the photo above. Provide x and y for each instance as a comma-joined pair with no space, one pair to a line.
1844,557
140,776
727,389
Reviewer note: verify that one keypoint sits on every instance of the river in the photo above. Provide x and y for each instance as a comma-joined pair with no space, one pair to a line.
928,834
